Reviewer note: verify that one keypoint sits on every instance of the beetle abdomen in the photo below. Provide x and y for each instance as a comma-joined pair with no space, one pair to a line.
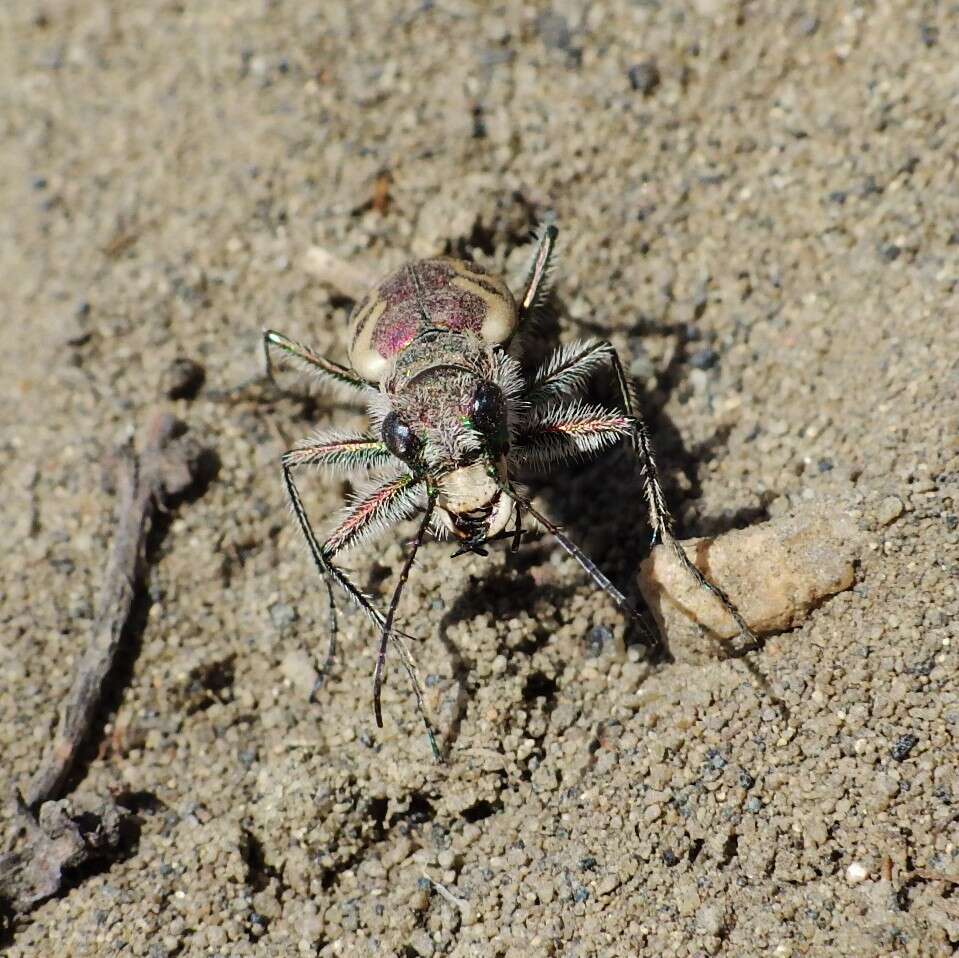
439,293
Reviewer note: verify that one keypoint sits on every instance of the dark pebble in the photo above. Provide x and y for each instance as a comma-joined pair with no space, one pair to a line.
581,894
890,253
669,858
587,864
924,667
704,359
596,639
953,238
904,745
909,167
644,77
716,758
746,780
183,379
754,805
824,465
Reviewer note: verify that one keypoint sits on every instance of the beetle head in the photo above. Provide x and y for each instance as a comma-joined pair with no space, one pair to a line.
451,423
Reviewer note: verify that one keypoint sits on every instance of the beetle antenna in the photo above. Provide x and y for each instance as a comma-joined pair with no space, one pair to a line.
387,627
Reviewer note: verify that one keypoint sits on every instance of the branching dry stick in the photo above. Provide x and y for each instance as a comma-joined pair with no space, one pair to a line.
165,468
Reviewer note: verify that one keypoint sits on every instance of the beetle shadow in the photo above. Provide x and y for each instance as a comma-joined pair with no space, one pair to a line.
600,502
504,592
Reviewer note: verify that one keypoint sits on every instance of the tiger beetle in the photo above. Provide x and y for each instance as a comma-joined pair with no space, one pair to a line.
434,352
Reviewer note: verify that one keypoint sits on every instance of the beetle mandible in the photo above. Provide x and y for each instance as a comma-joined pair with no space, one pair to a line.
453,417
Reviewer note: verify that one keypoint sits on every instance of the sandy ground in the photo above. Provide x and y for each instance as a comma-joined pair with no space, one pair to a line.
759,204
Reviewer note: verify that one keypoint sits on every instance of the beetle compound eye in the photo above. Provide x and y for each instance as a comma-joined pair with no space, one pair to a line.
488,411
399,438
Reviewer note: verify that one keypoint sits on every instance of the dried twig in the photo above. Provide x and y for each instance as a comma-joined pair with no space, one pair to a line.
65,835
165,468
346,278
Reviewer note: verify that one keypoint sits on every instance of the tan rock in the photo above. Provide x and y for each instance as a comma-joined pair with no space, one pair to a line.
775,573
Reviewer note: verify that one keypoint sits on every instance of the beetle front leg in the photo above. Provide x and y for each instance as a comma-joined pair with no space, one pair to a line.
365,515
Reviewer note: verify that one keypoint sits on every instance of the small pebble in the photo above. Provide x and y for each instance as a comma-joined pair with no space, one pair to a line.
890,509
282,615
856,873
644,77
776,572
715,758
929,34
642,368
553,30
653,813
904,745
710,919
704,359
596,640
297,668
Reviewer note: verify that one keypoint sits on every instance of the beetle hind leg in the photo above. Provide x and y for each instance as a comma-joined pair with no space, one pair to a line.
539,275
554,432
659,514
